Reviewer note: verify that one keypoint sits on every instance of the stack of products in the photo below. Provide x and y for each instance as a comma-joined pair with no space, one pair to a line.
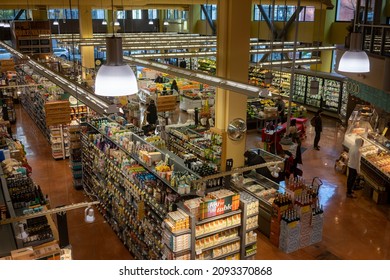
297,219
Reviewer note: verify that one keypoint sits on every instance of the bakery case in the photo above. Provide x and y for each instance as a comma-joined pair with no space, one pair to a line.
263,189
375,162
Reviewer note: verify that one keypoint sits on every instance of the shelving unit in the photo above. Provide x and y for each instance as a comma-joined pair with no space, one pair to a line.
26,39
7,236
214,244
75,155
132,196
59,140
205,148
250,211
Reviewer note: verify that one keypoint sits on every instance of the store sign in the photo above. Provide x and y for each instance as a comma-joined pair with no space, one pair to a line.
217,207
353,88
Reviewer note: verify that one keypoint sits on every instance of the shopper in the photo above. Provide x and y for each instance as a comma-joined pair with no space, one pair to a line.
253,158
281,107
164,91
159,79
354,156
289,166
151,113
318,129
174,86
295,137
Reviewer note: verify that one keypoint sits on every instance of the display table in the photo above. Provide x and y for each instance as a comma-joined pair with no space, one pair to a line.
272,137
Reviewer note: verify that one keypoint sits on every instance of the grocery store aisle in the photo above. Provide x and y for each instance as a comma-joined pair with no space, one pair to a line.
88,241
353,228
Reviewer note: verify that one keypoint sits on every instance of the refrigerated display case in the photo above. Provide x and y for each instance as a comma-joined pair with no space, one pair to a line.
362,121
300,88
314,99
263,189
331,95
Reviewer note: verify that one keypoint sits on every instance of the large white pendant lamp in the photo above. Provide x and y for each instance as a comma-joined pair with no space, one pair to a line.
355,60
115,78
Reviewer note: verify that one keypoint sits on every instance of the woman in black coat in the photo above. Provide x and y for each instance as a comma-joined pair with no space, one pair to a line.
151,113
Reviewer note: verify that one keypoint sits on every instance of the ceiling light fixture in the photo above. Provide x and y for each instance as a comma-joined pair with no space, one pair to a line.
151,22
355,60
116,23
55,22
115,78
104,22
7,25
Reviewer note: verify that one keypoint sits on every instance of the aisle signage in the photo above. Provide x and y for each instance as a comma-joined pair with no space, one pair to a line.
217,207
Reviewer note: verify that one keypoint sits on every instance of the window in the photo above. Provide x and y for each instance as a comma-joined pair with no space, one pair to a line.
211,10
283,13
120,14
345,10
137,14
173,14
152,14
184,15
98,14
307,14
63,14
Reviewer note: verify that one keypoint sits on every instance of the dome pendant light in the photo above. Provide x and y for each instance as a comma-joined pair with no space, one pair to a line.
166,23
104,22
7,25
115,78
116,23
150,22
1,24
355,60
55,22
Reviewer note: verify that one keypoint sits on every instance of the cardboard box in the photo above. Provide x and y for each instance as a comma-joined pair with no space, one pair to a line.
380,197
23,254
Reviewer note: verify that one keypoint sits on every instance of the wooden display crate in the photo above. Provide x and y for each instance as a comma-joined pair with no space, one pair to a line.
57,120
166,103
57,112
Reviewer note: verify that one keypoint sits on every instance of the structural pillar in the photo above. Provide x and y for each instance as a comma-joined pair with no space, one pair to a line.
87,52
233,38
323,20
38,14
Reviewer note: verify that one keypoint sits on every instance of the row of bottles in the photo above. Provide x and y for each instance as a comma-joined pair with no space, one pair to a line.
282,200
24,193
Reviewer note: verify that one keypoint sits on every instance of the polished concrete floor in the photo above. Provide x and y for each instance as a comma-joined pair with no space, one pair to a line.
354,229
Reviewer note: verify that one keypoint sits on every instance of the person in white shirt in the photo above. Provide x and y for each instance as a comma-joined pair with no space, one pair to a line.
354,155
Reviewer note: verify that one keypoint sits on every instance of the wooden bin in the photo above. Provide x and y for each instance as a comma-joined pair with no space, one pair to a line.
166,103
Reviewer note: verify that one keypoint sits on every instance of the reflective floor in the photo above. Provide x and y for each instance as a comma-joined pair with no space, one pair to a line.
353,228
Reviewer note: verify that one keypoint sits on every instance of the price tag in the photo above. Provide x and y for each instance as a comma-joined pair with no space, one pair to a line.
293,224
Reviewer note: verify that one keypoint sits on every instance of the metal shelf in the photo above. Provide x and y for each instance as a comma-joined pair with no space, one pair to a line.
252,228
216,231
226,255
228,214
251,243
180,232
225,242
